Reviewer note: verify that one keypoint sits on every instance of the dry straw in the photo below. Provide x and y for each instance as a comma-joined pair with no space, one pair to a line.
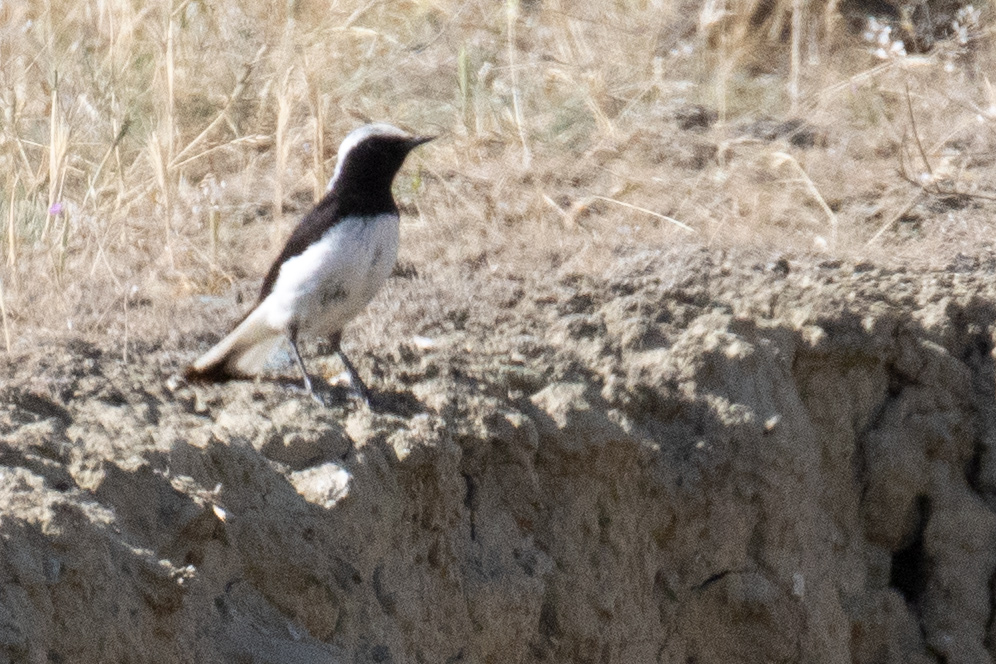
563,126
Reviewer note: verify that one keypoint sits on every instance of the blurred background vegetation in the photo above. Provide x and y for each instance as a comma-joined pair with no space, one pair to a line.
150,151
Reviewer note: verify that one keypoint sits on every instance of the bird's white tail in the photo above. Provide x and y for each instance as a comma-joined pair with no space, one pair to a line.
243,352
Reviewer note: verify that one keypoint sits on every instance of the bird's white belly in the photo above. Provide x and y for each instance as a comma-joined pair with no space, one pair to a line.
324,287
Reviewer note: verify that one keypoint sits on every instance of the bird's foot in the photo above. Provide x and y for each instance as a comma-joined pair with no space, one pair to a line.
331,396
361,394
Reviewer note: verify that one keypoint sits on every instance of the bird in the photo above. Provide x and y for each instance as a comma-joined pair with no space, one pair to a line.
332,265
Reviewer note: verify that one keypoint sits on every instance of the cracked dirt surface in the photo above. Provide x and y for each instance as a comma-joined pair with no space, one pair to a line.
697,457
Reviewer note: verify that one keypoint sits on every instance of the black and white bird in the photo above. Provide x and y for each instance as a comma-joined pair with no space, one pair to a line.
333,264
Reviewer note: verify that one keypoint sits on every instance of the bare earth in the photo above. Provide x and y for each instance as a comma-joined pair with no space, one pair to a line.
701,457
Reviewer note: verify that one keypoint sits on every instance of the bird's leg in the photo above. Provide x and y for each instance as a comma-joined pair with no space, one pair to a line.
354,378
292,335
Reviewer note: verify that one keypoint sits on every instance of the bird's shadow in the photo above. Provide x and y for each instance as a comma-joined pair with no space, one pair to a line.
381,401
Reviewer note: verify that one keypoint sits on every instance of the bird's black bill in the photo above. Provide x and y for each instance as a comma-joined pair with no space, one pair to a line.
416,141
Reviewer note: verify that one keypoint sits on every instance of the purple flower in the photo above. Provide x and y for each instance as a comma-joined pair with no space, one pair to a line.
55,209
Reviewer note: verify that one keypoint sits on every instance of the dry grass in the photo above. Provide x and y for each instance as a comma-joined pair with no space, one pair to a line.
155,151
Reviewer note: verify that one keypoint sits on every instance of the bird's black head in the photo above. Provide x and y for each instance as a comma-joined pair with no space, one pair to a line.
369,158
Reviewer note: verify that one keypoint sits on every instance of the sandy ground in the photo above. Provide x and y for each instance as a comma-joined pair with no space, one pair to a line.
701,456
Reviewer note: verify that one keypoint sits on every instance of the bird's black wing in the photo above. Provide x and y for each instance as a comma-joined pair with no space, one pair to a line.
322,217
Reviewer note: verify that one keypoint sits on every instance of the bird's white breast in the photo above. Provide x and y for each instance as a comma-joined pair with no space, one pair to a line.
324,287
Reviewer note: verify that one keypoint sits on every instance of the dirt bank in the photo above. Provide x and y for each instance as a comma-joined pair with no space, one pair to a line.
697,458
